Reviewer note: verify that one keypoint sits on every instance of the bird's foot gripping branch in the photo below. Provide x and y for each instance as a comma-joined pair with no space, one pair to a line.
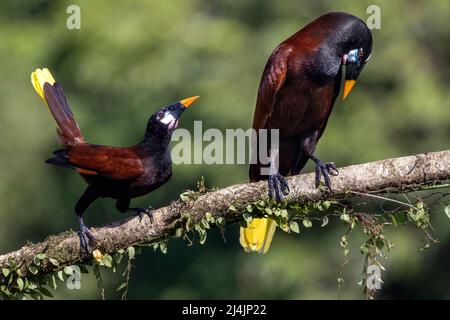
408,182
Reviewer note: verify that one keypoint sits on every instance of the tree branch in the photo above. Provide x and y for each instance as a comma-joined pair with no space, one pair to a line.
392,175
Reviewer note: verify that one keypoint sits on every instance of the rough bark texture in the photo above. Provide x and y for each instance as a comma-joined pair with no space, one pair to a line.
392,175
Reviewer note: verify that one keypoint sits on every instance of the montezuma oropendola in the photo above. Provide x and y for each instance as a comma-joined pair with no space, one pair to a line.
298,88
121,173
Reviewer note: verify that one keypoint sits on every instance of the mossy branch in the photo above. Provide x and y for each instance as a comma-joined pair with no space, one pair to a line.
403,174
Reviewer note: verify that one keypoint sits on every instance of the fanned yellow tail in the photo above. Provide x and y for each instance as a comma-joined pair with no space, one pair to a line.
38,78
258,235
52,94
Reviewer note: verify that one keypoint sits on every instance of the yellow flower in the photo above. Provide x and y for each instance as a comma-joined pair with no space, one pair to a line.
258,235
38,78
98,256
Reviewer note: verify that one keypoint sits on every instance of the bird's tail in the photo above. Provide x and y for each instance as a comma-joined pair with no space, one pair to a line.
51,92
257,236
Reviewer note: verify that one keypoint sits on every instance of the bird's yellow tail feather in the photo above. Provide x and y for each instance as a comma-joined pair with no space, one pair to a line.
258,235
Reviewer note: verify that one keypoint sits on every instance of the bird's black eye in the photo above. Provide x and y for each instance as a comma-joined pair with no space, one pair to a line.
160,115
361,52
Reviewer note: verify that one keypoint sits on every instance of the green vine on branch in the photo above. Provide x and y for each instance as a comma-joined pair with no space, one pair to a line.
289,217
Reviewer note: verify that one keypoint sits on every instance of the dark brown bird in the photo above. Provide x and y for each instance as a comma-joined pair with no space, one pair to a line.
121,173
298,88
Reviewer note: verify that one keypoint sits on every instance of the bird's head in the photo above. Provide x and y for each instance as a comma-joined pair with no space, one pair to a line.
164,121
356,55
341,40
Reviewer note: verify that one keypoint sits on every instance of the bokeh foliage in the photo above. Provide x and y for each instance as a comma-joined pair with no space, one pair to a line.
132,56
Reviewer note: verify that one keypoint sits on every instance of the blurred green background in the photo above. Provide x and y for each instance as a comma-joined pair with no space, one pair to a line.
132,56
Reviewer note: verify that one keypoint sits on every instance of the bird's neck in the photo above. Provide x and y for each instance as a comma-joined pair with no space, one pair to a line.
153,143
325,67
327,60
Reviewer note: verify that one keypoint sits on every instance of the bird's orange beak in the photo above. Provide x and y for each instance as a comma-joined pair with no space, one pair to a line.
187,102
348,86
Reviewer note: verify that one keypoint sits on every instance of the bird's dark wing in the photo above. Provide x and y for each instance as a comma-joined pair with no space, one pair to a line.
108,162
271,82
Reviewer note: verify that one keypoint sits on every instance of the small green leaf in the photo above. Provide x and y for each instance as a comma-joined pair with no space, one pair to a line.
33,269
326,204
249,208
344,242
163,247
20,283
447,210
60,275
199,228
68,270
268,211
5,272
209,217
232,208
179,232
36,261
221,221
41,256
394,221
325,221
131,252
247,217
185,196
54,262
107,260
400,217
53,283
205,223
121,286
202,238
294,227
364,249
307,223
345,217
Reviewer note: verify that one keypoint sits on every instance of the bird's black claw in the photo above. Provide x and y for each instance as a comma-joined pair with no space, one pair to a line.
141,211
325,170
278,187
86,237
331,167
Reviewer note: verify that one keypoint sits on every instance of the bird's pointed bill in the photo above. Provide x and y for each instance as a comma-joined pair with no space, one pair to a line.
187,102
348,86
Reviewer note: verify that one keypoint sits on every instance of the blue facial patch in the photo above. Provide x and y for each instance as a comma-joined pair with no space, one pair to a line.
354,56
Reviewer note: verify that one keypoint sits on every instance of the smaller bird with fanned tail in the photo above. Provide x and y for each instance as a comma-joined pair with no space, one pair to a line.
121,173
